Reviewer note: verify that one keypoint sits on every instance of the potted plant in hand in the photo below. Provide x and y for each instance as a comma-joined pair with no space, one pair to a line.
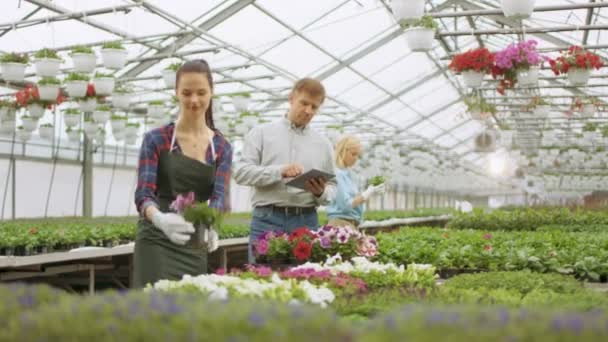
419,34
76,84
83,58
13,66
577,63
473,65
47,62
113,55
169,74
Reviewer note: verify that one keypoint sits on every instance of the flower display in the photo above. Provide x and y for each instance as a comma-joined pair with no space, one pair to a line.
515,57
30,95
575,57
479,60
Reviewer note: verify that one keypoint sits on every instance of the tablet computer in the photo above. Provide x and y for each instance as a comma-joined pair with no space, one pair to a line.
298,182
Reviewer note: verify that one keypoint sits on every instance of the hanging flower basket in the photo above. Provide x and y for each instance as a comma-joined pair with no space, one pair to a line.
169,74
420,34
71,117
48,92
528,77
472,78
114,58
102,114
13,71
7,126
47,63
520,9
84,59
73,135
577,63
104,84
241,101
121,100
90,128
23,134
46,132
118,123
473,65
29,124
407,10
478,108
36,110
87,105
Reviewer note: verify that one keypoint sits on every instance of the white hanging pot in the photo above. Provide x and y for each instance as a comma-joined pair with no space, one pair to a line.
74,135
76,88
407,10
588,110
249,121
29,124
121,100
241,103
101,116
578,76
156,111
103,85
48,92
118,135
169,77
46,132
47,67
419,38
36,110
90,128
84,62
118,125
114,58
23,134
7,126
130,140
71,120
131,131
477,114
528,77
87,105
472,78
542,111
517,8
13,71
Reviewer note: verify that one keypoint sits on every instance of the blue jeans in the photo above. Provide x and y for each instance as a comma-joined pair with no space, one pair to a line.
265,219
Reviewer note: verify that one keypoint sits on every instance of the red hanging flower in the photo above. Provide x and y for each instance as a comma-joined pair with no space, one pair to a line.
302,250
575,57
480,60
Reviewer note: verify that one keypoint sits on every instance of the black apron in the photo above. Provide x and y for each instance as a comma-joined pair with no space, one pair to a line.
155,256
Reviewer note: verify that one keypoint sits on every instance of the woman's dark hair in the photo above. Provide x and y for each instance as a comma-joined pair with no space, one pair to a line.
199,66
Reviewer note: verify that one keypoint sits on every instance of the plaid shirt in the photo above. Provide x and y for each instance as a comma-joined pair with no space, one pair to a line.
158,140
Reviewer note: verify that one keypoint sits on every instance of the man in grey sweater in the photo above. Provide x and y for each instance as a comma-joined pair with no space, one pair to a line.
276,152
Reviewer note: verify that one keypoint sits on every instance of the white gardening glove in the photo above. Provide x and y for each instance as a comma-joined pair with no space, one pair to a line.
174,226
213,241
373,190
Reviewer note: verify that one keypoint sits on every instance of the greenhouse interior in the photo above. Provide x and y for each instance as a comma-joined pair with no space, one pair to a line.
342,170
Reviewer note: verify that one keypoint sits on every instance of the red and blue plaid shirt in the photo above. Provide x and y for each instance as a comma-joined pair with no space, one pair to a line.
158,140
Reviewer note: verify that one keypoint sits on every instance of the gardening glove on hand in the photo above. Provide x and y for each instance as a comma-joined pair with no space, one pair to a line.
373,190
174,226
213,241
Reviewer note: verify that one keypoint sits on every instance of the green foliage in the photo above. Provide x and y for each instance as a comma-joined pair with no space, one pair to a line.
103,75
47,53
82,49
426,21
49,80
72,111
103,108
590,127
157,103
523,282
174,66
14,57
377,180
201,214
113,45
240,94
74,76
478,103
47,125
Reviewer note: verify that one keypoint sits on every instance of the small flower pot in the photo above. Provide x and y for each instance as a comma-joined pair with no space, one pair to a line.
103,85
528,77
101,117
49,92
114,58
13,71
71,120
47,67
517,8
46,133
76,88
36,110
87,105
472,78
169,77
30,124
578,76
84,62
407,10
419,39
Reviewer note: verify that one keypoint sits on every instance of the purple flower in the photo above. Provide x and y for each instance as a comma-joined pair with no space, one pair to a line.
325,242
342,236
182,202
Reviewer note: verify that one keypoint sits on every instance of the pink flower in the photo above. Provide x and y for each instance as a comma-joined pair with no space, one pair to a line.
220,271
182,202
487,236
325,242
261,247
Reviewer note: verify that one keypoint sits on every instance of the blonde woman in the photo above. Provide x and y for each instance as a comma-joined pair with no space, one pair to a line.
347,208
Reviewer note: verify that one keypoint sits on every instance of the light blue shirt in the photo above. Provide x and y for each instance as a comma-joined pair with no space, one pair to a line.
342,206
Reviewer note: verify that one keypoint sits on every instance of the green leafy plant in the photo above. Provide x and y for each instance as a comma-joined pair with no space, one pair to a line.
14,57
426,21
478,103
377,180
103,108
133,124
47,53
174,66
82,49
72,111
590,127
156,103
46,125
103,75
240,94
49,80
123,89
74,76
113,45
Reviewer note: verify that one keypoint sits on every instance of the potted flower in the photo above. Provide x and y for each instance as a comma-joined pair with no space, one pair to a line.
48,88
169,74
577,63
83,58
419,34
13,66
131,129
89,102
407,10
517,63
46,131
36,108
73,134
90,127
113,55
240,101
118,123
519,9
23,134
104,83
71,117
156,109
539,106
121,97
478,108
586,106
473,65
76,84
102,114
29,123
47,62
590,132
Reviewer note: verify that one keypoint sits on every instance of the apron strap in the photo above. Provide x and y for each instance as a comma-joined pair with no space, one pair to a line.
210,144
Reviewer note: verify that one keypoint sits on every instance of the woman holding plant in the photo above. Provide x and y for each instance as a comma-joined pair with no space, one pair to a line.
347,208
188,160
